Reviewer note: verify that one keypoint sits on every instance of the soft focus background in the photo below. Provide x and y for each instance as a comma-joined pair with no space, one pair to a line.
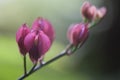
98,59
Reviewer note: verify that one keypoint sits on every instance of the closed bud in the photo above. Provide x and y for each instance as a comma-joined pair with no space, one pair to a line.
101,13
20,36
37,44
77,33
44,25
88,11
91,13
85,7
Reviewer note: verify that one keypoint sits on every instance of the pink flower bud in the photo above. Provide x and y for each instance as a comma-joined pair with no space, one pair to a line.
45,26
88,11
101,13
20,36
37,44
77,33
86,5
91,13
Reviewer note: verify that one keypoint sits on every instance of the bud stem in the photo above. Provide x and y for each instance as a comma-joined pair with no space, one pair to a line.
25,69
93,24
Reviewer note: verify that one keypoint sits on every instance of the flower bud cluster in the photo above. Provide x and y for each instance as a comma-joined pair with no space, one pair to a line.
78,33
37,40
91,12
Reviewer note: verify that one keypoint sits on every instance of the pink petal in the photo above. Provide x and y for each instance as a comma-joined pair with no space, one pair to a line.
29,40
70,32
22,32
36,24
86,5
44,44
77,33
91,12
34,53
20,36
45,26
40,46
101,12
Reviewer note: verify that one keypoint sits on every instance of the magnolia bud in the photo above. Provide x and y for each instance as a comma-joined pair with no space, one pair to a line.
20,36
85,8
77,33
88,11
37,44
45,26
91,13
101,13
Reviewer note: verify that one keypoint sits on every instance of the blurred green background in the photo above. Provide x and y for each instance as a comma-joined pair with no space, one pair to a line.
88,63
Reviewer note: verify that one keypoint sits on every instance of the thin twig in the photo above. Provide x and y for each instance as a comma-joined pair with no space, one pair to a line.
25,69
32,68
96,23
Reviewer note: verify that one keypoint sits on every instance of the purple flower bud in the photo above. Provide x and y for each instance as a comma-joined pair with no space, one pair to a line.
37,44
77,33
45,26
20,36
